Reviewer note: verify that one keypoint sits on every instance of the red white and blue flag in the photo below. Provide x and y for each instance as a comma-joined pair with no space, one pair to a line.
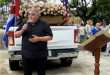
65,18
14,13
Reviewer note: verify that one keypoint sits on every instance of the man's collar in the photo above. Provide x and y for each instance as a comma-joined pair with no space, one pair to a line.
33,24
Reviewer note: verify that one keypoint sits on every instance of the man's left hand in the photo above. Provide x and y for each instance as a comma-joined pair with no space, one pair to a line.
35,39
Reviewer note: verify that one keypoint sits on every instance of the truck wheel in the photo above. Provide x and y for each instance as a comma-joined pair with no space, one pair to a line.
14,65
66,61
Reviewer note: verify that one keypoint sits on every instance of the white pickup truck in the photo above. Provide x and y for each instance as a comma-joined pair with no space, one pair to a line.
64,46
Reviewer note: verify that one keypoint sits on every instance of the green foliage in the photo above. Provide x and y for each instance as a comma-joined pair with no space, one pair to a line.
1,27
103,12
71,2
4,2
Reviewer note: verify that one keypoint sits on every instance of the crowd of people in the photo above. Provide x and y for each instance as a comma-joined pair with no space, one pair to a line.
90,30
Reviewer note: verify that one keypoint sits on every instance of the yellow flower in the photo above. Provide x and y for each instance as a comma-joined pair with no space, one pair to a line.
48,10
39,4
58,11
65,12
51,6
51,12
61,10
45,13
61,5
51,9
26,12
38,8
39,12
48,7
32,7
20,6
43,4
27,3
30,3
25,15
58,7
64,8
25,9
43,9
34,3
21,14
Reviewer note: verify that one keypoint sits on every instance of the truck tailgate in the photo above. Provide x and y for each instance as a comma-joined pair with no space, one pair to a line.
63,37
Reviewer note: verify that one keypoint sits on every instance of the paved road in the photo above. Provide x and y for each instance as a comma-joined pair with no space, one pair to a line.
83,65
1,37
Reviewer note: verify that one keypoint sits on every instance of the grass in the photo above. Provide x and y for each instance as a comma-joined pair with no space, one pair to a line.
84,38
1,27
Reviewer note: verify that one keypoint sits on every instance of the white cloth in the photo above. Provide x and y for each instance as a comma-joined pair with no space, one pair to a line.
108,48
89,29
81,30
86,27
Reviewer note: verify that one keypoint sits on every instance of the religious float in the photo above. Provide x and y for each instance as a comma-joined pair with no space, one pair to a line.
51,13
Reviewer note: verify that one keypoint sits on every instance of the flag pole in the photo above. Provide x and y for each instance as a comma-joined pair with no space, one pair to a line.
15,20
67,18
15,16
67,12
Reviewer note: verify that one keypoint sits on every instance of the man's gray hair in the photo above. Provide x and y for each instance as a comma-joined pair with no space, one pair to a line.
33,9
97,24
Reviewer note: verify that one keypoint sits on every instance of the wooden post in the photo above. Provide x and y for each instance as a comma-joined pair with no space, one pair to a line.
97,64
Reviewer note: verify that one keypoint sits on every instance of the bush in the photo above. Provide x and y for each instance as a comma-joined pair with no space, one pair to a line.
1,27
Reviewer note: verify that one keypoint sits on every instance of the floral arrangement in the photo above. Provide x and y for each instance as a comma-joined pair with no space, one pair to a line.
45,9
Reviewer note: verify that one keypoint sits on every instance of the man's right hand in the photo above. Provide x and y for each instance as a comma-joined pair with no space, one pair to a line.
25,27
19,33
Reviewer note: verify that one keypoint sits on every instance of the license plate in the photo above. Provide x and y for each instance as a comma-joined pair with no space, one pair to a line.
49,53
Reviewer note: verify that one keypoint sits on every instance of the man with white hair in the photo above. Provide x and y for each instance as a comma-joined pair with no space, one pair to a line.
35,35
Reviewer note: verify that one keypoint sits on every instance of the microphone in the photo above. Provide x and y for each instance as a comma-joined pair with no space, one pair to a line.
27,24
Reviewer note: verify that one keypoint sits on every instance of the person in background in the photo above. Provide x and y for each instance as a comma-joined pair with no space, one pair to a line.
76,22
106,28
89,30
82,33
109,24
72,23
94,31
78,25
108,47
69,23
86,28
100,24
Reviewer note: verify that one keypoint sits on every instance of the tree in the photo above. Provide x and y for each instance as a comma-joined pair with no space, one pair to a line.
81,7
103,12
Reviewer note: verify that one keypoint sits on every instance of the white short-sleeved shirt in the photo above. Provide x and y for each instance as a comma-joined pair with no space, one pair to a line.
81,30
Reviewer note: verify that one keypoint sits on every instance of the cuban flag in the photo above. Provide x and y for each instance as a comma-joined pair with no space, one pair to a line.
14,13
65,18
